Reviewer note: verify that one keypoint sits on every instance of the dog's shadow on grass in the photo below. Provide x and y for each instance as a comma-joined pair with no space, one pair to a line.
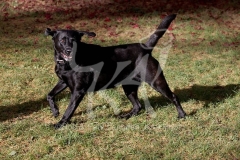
18,110
206,94
27,108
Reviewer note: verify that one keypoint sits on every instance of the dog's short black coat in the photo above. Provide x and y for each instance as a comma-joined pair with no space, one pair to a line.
87,67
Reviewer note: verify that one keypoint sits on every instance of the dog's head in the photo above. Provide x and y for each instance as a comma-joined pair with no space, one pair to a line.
64,41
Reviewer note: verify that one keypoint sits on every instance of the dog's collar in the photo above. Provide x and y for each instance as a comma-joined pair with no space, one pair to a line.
59,61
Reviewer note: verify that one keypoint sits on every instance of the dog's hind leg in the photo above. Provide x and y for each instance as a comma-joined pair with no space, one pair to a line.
155,78
131,93
76,98
51,96
161,86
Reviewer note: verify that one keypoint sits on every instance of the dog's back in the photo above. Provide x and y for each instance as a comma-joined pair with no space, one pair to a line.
90,54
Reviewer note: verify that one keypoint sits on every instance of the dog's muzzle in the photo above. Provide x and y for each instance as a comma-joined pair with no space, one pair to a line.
67,55
68,52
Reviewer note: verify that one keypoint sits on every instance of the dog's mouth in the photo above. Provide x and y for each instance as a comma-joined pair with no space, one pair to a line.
66,57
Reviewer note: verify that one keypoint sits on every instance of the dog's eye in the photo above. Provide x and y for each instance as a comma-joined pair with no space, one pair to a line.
62,41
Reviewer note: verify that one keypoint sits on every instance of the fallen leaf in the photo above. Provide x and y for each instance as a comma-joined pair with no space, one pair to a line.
107,19
134,25
119,20
35,60
12,153
68,27
48,16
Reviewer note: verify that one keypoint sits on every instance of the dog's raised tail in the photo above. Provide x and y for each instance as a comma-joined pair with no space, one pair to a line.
160,31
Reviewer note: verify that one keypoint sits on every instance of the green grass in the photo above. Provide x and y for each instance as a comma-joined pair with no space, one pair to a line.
202,68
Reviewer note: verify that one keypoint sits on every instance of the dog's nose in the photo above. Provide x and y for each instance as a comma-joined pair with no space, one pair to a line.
68,51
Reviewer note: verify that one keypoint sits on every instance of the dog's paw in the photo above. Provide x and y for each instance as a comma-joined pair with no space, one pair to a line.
126,115
56,114
59,124
182,115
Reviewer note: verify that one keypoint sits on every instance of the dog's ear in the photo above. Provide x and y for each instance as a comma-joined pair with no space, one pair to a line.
91,34
49,32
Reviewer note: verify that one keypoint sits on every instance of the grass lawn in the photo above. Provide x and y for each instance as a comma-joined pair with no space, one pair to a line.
200,56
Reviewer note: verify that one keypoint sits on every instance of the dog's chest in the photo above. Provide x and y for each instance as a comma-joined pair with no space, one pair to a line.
63,70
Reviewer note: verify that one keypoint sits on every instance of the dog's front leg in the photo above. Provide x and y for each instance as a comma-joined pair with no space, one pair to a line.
51,96
76,98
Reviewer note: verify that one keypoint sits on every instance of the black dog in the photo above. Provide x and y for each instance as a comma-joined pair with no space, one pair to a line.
87,67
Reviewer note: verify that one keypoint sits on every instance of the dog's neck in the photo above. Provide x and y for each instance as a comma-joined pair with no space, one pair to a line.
60,61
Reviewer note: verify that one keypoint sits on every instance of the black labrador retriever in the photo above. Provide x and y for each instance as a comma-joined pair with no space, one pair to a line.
87,68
